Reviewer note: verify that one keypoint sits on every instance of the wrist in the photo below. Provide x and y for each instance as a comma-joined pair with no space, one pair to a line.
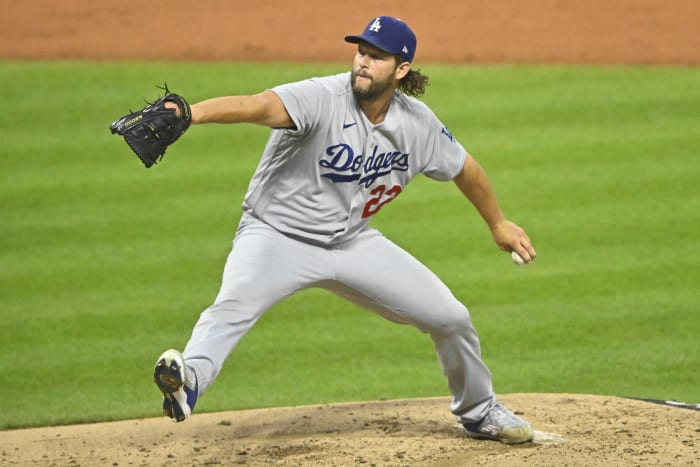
498,224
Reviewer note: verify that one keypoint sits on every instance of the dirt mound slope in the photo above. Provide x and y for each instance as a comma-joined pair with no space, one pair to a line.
570,430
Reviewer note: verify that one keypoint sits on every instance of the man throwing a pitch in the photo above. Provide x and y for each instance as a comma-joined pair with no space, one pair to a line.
342,147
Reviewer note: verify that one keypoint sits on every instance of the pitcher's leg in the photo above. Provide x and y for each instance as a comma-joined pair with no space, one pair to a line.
263,267
382,277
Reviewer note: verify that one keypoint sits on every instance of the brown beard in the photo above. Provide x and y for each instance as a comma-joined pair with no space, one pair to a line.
375,89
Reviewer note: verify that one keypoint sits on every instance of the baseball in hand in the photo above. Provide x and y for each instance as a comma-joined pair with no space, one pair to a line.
517,259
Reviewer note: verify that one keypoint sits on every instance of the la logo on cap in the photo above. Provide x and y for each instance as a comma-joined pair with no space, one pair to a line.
388,34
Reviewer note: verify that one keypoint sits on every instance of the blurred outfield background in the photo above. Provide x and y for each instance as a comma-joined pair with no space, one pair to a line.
103,264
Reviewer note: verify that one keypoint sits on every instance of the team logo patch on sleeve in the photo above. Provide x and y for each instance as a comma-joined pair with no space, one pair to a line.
447,133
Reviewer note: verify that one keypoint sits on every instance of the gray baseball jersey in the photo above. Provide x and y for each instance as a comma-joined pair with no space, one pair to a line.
322,181
305,225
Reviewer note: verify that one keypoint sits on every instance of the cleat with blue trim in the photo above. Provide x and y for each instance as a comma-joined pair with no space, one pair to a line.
178,383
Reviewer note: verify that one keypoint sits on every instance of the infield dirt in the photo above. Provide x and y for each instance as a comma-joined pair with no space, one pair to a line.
571,429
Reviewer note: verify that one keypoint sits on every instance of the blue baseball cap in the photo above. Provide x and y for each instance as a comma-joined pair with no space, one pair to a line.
389,34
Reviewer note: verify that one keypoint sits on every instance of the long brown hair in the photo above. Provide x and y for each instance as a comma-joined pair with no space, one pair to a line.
413,83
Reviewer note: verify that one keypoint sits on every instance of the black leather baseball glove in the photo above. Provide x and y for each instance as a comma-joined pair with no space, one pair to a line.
150,131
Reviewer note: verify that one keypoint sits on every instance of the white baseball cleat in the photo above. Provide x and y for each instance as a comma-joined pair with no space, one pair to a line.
178,383
500,424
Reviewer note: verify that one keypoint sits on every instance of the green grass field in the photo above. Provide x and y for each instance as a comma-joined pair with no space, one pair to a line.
104,264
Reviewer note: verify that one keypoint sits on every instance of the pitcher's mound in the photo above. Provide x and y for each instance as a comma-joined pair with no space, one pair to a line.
570,430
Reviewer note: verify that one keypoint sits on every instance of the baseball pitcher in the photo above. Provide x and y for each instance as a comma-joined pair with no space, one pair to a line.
341,148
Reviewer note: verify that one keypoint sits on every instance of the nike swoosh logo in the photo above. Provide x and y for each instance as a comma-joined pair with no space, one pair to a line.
348,125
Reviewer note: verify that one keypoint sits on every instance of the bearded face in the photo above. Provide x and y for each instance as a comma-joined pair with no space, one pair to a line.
366,87
373,72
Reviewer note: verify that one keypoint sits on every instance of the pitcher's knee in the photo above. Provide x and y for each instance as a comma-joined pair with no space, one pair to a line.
232,312
244,296
454,322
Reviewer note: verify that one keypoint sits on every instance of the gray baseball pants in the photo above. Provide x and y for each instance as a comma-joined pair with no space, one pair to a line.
266,266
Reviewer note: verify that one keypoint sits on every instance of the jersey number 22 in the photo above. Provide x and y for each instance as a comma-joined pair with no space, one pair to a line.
380,196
